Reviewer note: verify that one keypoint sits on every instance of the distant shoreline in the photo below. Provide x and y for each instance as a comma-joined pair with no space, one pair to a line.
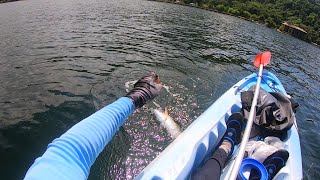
209,9
214,10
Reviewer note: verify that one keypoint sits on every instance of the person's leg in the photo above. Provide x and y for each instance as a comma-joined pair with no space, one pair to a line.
213,167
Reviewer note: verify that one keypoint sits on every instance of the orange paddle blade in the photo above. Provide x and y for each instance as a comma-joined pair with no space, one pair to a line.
262,58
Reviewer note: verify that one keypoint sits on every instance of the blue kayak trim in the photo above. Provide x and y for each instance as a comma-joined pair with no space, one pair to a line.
195,145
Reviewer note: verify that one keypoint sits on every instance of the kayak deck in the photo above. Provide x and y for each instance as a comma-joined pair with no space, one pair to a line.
199,140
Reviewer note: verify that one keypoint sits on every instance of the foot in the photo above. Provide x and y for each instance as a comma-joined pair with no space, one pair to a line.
234,129
275,162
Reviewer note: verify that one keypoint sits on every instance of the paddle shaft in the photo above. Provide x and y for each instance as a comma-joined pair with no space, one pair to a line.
245,138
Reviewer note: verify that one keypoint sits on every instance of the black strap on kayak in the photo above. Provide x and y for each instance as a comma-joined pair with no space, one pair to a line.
274,112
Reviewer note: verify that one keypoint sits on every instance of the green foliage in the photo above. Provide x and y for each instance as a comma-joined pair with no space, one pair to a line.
254,7
221,8
233,11
312,19
303,13
246,14
254,17
270,23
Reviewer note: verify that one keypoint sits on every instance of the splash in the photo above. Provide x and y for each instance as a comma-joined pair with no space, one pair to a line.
149,138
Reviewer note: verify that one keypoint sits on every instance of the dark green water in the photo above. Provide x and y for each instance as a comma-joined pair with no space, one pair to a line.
62,60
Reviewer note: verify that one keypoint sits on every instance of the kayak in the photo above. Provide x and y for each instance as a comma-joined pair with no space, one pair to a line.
197,143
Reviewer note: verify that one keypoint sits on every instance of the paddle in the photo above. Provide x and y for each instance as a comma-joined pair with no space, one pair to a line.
261,60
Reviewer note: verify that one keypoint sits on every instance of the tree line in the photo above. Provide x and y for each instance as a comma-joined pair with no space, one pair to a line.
302,13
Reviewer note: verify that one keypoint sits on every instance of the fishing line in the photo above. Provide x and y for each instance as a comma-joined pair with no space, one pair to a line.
308,170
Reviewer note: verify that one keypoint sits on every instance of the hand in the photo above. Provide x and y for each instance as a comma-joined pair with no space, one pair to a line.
145,89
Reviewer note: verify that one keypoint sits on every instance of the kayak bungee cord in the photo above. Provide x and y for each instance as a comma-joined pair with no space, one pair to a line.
260,60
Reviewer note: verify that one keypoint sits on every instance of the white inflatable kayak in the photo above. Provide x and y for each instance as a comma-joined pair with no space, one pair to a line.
197,142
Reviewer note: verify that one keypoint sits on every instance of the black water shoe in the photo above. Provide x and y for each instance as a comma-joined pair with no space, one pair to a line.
273,163
234,129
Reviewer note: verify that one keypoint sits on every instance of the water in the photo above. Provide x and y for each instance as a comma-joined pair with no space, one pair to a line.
62,60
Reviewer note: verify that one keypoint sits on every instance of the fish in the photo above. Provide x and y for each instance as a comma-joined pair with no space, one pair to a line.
168,123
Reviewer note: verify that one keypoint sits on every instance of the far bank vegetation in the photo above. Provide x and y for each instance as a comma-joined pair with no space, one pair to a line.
302,13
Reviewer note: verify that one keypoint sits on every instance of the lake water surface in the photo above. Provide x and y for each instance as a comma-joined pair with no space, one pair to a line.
61,60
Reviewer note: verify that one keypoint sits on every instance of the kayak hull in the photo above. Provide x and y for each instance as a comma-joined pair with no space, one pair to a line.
188,151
